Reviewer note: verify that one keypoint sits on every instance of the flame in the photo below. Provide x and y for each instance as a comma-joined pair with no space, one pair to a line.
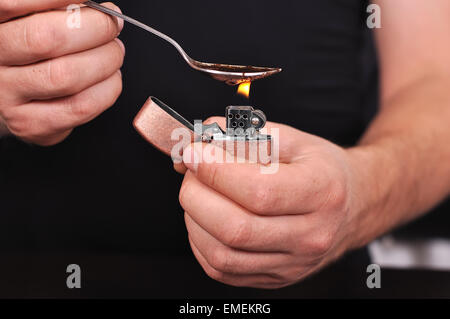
244,89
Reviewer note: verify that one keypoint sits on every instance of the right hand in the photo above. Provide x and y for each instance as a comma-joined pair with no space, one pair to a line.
54,78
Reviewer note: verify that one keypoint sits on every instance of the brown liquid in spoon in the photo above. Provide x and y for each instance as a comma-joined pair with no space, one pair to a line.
235,74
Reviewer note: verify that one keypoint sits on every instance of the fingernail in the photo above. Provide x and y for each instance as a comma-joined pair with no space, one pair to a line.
117,9
120,43
120,21
191,157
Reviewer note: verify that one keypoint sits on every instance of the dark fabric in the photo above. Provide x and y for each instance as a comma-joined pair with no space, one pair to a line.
106,191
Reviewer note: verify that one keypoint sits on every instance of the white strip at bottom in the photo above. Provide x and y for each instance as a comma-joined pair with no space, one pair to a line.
418,254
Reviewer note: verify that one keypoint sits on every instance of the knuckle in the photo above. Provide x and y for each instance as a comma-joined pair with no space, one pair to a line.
42,131
18,127
337,198
322,243
17,123
78,107
263,201
211,174
290,275
60,74
97,103
238,233
23,127
81,109
219,260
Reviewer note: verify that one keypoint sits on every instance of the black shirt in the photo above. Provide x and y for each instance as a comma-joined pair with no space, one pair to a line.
106,192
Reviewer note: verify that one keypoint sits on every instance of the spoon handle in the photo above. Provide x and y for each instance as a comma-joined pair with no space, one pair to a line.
95,5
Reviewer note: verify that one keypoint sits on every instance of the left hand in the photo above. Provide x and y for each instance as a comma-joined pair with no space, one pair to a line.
270,231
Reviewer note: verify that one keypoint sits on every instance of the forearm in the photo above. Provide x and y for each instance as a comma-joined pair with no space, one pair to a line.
402,164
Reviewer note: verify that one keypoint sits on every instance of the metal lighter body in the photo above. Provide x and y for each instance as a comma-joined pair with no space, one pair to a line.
157,122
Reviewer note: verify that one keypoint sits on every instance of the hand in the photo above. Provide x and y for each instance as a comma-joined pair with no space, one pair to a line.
54,78
270,231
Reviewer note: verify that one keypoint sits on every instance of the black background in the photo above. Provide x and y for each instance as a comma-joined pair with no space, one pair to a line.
108,201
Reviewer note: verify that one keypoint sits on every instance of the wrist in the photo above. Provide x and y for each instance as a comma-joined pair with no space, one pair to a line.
373,186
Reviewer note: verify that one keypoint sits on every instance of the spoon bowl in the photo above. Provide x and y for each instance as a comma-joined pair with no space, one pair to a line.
234,74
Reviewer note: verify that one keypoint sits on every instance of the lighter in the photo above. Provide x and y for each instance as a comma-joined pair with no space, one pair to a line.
162,127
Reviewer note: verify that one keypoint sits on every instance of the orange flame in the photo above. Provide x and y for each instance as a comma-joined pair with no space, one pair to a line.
244,89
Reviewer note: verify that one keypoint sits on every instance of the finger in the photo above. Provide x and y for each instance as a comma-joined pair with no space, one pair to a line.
66,75
48,35
229,260
48,140
263,194
40,119
255,281
290,140
231,224
12,9
180,168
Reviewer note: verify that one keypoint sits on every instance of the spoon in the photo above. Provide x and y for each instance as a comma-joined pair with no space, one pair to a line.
230,74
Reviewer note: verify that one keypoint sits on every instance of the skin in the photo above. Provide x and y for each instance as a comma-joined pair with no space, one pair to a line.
248,229
270,231
54,78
